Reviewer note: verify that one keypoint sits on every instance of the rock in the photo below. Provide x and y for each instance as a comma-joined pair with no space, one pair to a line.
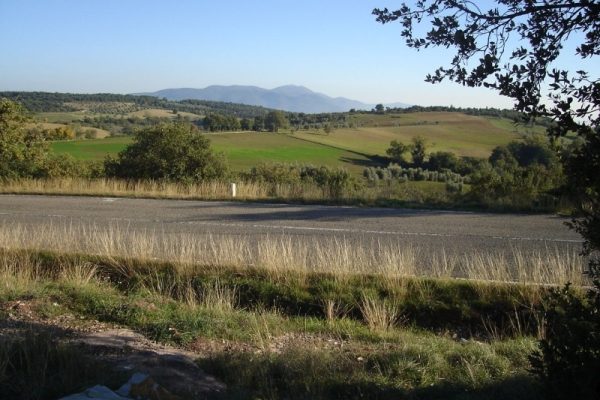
142,386
97,392
172,369
138,387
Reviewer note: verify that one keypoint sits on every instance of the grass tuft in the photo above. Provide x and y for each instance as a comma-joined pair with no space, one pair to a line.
379,314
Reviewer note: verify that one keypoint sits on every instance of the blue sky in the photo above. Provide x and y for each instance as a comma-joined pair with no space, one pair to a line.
125,46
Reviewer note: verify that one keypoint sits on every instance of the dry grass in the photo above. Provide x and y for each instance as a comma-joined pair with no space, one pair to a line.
279,254
380,315
113,187
215,190
18,274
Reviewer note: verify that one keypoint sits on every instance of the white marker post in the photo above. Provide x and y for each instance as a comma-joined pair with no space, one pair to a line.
233,190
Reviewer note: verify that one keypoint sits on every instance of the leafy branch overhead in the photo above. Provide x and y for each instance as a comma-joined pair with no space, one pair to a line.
513,47
486,39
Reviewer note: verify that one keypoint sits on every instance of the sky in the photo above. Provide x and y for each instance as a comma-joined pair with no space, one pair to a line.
127,46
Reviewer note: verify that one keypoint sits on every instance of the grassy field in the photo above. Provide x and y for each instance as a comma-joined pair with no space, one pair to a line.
243,150
462,134
91,149
350,148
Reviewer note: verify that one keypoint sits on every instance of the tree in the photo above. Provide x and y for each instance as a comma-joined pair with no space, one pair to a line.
518,174
379,109
417,150
396,151
173,152
488,55
441,160
247,124
275,120
22,154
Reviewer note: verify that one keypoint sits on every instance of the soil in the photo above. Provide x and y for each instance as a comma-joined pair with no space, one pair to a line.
122,349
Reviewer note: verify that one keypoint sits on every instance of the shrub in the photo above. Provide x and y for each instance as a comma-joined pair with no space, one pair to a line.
396,151
397,173
173,152
21,153
334,182
443,160
569,360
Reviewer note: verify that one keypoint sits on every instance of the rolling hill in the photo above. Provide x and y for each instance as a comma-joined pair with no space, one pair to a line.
289,98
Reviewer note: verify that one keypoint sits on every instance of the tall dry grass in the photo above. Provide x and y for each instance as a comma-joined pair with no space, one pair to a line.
280,254
380,315
213,190
216,190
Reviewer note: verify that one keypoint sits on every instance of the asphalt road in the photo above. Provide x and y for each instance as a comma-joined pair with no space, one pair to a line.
425,229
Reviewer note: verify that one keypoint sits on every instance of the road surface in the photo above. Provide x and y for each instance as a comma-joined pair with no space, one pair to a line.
425,229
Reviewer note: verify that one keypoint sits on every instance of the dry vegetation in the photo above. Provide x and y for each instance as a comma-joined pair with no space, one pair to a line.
406,194
280,254
271,313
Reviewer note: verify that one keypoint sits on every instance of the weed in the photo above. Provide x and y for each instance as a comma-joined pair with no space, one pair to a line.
380,315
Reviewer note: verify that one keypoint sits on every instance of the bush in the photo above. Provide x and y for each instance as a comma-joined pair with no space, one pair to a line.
275,173
173,152
397,173
569,360
334,182
21,153
520,174
396,151
443,160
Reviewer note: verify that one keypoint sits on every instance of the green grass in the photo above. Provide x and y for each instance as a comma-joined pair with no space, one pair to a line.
91,149
169,304
353,148
243,150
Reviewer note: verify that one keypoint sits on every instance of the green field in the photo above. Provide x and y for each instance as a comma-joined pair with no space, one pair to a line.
243,150
462,134
91,149
350,148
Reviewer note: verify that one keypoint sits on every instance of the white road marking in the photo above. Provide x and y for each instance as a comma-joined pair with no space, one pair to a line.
376,232
325,229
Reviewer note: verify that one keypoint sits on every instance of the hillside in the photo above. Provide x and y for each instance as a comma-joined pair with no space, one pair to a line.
289,98
465,135
353,148
108,104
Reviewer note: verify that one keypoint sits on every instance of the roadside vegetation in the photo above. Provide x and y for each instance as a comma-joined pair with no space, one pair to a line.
176,160
327,319
263,329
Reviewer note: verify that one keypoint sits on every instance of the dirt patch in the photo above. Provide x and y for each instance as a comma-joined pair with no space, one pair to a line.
172,368
49,314
279,344
121,349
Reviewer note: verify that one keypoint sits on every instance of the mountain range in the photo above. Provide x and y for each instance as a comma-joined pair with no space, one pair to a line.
289,98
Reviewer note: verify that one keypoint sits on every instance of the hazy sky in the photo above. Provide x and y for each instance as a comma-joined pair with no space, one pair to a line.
125,46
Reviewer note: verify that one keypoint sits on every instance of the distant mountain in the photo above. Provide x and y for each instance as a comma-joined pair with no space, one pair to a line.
288,98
